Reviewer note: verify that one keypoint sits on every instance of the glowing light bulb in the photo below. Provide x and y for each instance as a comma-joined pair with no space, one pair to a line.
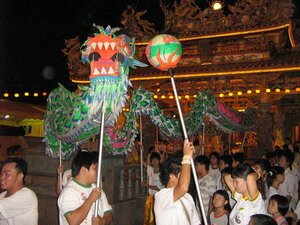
171,97
249,91
287,90
163,97
298,89
17,95
44,93
240,93
268,90
187,96
277,90
230,94
257,91
217,5
26,94
35,94
179,97
6,95
221,95
155,96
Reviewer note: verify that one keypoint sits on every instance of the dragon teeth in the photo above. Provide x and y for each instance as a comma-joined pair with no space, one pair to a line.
94,45
100,45
111,70
96,72
103,71
106,45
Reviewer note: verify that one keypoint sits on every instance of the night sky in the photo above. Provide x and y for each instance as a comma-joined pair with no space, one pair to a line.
32,34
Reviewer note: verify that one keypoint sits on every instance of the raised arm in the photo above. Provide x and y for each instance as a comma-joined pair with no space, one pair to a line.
185,175
229,182
252,185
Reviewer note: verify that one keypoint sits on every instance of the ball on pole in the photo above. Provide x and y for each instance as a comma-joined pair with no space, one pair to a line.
164,52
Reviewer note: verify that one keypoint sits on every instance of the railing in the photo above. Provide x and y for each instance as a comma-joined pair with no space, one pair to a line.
127,183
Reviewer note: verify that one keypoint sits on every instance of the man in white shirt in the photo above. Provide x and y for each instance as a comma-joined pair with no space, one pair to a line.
76,201
289,188
18,204
173,205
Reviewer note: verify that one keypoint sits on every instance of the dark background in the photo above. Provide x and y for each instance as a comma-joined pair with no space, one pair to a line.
32,34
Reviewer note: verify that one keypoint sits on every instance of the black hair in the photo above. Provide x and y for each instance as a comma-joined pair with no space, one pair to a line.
171,166
227,159
215,154
289,157
226,170
83,159
242,171
202,160
196,142
262,219
13,150
264,164
238,157
282,203
226,196
273,173
154,155
21,165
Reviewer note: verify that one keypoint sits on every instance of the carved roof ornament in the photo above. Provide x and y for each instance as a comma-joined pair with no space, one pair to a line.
138,27
185,18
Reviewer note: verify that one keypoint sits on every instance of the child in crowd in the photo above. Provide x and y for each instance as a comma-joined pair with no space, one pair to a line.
274,179
173,205
221,208
278,207
243,185
154,185
262,219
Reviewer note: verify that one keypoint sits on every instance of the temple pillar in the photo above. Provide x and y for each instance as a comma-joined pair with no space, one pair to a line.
264,126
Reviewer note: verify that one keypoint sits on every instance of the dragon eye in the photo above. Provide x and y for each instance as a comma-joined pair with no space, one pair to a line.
95,56
118,57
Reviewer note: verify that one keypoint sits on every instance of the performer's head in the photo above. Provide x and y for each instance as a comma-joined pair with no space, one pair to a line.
170,170
84,167
13,174
155,159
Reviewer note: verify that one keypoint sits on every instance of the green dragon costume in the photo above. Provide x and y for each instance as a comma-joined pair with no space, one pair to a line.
71,119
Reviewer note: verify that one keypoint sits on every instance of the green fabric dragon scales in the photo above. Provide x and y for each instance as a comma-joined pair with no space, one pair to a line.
71,119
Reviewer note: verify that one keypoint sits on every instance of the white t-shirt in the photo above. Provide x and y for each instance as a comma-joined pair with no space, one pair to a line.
245,208
73,196
297,210
19,208
207,185
168,212
67,175
153,179
290,187
215,173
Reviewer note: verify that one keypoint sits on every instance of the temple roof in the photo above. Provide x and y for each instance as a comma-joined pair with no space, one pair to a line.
278,63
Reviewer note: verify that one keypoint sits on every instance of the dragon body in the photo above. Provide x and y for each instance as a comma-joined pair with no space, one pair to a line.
71,119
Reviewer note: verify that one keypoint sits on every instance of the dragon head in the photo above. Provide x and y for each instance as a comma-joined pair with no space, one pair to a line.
110,55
